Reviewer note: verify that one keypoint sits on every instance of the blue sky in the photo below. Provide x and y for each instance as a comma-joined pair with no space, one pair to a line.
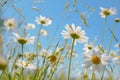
55,10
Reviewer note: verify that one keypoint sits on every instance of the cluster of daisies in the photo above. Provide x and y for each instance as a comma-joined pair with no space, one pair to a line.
94,58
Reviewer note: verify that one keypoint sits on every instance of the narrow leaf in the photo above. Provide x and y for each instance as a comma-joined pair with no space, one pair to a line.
66,6
82,16
113,35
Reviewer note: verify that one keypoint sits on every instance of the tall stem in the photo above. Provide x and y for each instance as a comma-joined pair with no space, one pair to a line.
111,39
37,47
70,60
22,45
103,31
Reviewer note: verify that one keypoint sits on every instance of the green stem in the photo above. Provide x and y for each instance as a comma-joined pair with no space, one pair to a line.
37,52
22,58
111,39
93,76
70,60
22,45
103,30
102,76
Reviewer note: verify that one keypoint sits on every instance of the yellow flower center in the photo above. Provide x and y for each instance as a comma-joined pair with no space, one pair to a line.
43,22
96,59
26,64
112,54
22,40
10,25
117,20
106,12
89,47
74,36
53,58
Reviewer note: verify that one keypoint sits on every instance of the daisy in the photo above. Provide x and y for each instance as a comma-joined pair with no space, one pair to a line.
30,56
117,45
88,47
45,53
78,34
107,12
10,23
22,40
30,26
117,20
112,53
43,32
44,21
96,61
23,64
3,63
116,60
55,58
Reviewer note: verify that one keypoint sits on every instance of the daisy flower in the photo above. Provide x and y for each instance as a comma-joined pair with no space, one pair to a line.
78,34
88,47
30,26
10,23
117,20
23,40
107,12
44,21
30,56
116,60
96,61
117,45
23,64
112,53
45,53
43,32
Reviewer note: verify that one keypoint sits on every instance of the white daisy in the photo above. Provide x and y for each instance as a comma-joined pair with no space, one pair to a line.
45,53
43,32
107,12
117,20
30,26
112,53
30,56
88,47
10,23
96,61
22,40
117,45
23,64
44,21
116,60
78,34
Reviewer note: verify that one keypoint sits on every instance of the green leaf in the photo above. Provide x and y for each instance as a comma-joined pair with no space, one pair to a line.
74,3
101,48
89,7
113,35
82,16
66,6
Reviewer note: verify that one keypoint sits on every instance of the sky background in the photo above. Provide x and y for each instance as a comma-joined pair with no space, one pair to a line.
55,10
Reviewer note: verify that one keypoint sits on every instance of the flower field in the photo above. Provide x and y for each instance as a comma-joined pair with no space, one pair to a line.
59,40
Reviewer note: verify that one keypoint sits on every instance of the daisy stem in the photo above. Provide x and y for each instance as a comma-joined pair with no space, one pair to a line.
22,45
102,76
70,60
111,39
22,58
93,76
103,30
37,47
